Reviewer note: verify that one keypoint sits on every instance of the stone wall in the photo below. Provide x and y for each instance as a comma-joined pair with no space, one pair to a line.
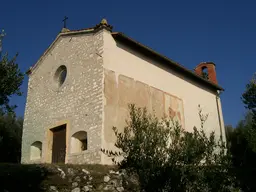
78,102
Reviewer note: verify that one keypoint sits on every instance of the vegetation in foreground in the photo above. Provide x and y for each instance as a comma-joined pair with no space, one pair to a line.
11,79
167,158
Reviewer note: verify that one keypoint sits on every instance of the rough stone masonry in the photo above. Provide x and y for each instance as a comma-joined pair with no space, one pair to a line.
79,100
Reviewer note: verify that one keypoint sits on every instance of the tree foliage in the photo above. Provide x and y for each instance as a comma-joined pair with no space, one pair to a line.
249,96
249,99
242,141
11,79
243,156
242,153
167,158
10,138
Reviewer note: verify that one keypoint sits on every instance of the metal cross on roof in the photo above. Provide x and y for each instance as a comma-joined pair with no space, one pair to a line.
65,21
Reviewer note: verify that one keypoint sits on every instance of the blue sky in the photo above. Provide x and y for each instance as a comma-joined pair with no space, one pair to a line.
188,32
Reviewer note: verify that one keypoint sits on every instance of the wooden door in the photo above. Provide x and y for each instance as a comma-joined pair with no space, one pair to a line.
59,144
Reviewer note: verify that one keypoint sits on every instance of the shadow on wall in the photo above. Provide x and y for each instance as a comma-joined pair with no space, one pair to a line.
16,177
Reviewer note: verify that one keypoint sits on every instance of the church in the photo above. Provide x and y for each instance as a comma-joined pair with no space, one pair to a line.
81,87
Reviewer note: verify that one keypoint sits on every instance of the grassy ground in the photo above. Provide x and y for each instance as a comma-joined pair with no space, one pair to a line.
36,178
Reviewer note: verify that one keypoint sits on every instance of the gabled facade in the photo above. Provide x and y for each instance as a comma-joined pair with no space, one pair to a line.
81,87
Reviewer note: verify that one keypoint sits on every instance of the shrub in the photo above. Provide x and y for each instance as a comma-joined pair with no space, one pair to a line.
165,157
10,138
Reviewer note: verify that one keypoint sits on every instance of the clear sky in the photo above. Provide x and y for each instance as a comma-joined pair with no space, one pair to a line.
189,32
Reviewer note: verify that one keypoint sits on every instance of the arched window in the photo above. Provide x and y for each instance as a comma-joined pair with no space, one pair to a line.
60,75
205,74
79,142
36,150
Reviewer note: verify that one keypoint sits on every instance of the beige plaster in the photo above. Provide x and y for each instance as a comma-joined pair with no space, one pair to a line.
120,91
76,142
36,151
164,85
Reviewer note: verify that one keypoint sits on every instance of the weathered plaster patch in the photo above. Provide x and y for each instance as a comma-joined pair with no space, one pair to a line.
128,91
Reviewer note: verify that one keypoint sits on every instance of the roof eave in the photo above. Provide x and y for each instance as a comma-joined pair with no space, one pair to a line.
177,66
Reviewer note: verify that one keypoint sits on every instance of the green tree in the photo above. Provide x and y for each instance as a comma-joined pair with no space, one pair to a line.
242,142
165,157
249,96
10,138
249,99
242,153
11,79
243,156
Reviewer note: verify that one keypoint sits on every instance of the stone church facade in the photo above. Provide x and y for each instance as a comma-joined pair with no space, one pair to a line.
81,87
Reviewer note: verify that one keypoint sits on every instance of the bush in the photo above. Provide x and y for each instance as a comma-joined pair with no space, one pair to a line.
243,155
165,157
10,138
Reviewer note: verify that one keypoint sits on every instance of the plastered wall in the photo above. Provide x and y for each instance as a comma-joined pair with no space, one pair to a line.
132,77
122,90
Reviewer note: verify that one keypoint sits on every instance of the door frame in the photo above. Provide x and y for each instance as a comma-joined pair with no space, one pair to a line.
47,152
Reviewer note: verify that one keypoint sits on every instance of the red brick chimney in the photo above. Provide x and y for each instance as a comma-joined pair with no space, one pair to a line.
210,68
